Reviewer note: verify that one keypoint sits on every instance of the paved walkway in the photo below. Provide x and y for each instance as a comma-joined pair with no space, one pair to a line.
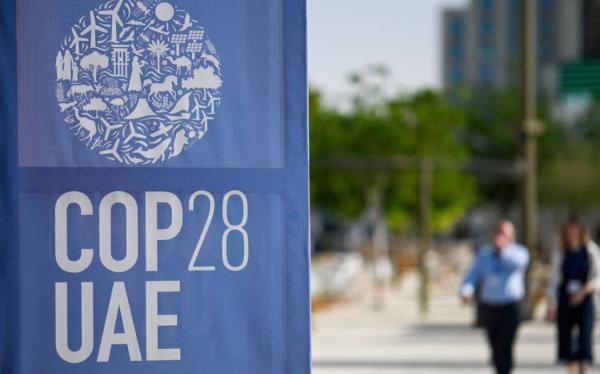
352,338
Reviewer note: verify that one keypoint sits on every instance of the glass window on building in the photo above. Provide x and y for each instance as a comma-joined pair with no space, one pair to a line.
591,29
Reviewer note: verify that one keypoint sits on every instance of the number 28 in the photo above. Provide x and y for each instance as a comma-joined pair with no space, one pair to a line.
231,228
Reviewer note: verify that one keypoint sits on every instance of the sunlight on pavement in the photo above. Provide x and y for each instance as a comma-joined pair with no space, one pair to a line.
351,337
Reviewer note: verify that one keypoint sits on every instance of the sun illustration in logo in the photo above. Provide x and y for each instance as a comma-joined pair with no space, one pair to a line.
138,81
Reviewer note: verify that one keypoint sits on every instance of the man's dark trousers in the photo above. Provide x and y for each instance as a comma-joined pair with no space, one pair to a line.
501,323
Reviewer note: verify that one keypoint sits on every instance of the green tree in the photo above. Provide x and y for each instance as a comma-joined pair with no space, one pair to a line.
376,127
569,152
567,155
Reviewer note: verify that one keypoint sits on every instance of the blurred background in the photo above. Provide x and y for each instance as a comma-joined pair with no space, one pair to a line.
426,129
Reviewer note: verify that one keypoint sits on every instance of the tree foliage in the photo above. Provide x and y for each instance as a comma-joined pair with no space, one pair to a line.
377,126
471,123
567,151
569,171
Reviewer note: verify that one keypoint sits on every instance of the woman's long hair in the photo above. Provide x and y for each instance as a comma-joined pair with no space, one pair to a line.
564,239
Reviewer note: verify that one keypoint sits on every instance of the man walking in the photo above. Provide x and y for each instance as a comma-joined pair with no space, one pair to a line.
499,273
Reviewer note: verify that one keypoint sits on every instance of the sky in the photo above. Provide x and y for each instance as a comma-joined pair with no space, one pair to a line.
345,36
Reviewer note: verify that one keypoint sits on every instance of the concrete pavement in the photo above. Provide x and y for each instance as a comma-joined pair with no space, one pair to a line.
352,338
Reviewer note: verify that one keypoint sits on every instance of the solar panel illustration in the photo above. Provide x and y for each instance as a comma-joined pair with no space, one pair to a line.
194,48
196,34
178,38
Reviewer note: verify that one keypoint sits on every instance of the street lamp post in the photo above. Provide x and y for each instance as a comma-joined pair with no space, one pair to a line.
531,127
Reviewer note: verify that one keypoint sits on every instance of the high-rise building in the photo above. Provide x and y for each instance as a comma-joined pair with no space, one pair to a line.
455,47
580,68
490,41
591,29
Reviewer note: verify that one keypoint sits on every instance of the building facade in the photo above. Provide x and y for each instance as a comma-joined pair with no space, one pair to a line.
454,47
120,60
490,41
591,29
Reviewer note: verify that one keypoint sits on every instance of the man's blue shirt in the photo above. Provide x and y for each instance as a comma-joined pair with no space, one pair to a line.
500,276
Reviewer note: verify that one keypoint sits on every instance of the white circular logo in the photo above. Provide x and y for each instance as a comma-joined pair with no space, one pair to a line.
138,81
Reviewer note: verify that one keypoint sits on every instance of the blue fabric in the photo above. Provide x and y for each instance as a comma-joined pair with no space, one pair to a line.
575,266
576,331
500,278
9,317
252,320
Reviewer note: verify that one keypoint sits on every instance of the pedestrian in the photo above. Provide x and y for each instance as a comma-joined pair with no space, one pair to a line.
499,273
573,285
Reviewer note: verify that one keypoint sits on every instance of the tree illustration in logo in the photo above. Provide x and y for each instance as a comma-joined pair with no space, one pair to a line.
138,81
158,49
94,62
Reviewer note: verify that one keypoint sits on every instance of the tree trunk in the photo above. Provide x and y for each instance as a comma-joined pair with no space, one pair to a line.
425,210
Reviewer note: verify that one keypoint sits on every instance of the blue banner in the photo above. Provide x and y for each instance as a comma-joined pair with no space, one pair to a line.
157,187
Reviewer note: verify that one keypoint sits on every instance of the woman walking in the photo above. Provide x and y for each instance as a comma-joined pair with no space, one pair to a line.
571,297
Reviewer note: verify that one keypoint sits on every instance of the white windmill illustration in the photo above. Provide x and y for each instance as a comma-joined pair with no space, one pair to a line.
114,151
76,43
133,134
197,108
116,20
205,119
212,101
92,29
109,128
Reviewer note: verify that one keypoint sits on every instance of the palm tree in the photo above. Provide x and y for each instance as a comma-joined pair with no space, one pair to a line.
158,49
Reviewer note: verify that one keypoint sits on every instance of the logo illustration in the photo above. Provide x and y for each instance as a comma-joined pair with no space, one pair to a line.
138,81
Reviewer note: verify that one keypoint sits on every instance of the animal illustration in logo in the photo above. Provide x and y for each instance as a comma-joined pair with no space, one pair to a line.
138,81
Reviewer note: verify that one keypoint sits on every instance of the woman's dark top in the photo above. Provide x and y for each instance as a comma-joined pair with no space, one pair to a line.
575,268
